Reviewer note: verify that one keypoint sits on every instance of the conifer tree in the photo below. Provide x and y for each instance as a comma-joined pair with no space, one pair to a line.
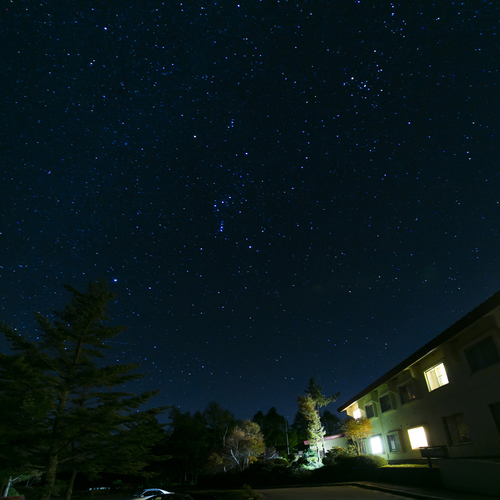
315,430
60,405
316,399
316,392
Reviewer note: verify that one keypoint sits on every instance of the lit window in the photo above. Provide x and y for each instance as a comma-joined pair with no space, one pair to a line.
418,439
356,413
458,432
376,444
482,355
393,442
436,377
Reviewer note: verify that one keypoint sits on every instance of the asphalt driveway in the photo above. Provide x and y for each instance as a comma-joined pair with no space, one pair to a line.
327,493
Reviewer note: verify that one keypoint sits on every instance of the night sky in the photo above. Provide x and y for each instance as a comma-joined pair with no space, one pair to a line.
275,190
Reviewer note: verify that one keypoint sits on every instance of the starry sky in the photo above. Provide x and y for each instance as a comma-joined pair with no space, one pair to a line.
275,190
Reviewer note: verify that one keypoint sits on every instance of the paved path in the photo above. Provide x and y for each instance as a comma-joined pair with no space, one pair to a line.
328,493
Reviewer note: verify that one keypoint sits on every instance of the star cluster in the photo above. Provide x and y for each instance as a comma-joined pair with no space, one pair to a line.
275,190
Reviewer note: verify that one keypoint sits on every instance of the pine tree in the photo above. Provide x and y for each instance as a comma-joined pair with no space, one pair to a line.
316,392
314,429
60,406
318,400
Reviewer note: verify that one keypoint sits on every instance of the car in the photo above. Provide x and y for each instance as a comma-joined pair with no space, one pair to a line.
148,493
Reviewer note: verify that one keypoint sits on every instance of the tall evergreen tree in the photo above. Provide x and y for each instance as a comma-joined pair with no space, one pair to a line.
219,423
316,392
331,423
187,445
61,408
299,427
274,428
315,430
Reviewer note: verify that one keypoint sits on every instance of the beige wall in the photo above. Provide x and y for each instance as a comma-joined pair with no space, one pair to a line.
466,393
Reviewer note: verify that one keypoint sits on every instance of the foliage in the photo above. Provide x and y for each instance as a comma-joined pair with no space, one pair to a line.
310,460
331,423
219,423
241,447
314,430
378,460
348,468
299,430
315,391
187,446
336,451
357,430
250,494
360,463
274,427
60,409
310,405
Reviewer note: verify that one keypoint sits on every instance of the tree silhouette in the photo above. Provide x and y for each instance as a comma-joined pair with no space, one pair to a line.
61,409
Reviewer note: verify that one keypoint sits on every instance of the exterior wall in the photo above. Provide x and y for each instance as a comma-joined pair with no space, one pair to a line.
332,442
467,393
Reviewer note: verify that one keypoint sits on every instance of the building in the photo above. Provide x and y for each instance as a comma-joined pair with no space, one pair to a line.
445,397
330,442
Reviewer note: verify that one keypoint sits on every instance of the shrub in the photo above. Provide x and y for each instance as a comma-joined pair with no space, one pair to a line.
359,467
377,460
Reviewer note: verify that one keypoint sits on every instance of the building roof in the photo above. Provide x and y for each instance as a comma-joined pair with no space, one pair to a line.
477,313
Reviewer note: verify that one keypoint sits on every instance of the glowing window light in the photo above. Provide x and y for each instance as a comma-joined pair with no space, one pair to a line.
436,377
356,413
376,444
418,439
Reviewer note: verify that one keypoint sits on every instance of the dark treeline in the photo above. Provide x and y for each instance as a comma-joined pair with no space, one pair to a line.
66,422
193,442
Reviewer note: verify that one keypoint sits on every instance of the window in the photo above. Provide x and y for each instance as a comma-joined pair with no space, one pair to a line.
364,451
495,411
407,393
418,439
376,444
456,428
385,403
436,377
393,443
369,410
482,355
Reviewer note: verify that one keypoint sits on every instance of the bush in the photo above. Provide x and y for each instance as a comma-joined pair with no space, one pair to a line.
377,460
359,468
332,454
348,468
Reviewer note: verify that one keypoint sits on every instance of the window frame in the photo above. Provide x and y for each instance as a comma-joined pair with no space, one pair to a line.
477,348
410,439
428,381
398,440
495,414
451,432
372,407
388,395
381,440
411,384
